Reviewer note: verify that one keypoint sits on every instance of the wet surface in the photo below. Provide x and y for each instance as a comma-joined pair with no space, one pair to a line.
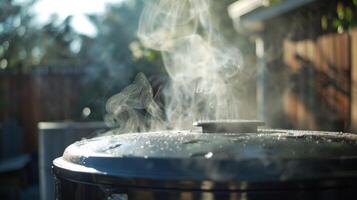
266,156
266,144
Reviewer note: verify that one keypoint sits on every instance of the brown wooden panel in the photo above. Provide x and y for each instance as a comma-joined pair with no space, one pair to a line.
290,50
321,71
354,80
33,97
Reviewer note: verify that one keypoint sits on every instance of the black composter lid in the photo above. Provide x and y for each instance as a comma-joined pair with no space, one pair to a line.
215,158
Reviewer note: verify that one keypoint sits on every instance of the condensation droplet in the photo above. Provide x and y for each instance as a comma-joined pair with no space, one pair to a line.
209,155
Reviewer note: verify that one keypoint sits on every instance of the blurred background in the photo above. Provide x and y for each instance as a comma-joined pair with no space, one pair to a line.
60,60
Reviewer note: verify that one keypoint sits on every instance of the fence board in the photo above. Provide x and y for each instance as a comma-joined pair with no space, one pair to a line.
39,96
322,98
354,80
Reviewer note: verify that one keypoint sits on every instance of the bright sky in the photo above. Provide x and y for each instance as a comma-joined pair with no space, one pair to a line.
77,8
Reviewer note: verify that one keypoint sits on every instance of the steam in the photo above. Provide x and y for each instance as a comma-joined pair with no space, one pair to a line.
134,109
201,65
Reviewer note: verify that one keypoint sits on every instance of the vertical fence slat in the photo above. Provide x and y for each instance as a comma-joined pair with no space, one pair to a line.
354,80
322,94
38,96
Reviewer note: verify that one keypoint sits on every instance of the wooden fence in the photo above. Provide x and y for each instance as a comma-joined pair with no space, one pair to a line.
41,95
354,80
321,93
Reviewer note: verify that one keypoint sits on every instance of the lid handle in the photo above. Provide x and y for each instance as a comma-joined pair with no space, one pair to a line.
229,126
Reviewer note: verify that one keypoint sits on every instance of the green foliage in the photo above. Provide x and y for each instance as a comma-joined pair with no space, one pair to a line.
274,2
115,55
344,17
117,39
23,44
109,61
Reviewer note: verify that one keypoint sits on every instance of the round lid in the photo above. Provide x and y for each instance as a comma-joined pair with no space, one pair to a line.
263,156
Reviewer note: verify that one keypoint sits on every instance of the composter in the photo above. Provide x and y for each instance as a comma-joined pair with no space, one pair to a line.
225,160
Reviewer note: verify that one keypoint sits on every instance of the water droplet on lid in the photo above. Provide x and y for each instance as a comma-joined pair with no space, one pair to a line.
209,155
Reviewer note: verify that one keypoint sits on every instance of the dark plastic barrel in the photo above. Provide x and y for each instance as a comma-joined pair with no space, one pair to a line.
191,165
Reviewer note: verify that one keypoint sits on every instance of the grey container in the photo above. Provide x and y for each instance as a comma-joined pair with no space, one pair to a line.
54,137
191,165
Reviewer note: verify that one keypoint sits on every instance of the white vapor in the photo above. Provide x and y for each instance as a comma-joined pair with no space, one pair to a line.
201,65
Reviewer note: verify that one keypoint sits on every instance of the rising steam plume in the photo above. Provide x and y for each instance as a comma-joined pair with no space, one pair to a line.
201,65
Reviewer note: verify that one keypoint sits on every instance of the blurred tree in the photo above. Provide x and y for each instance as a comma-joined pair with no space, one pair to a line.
115,55
24,44
344,17
53,44
13,25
